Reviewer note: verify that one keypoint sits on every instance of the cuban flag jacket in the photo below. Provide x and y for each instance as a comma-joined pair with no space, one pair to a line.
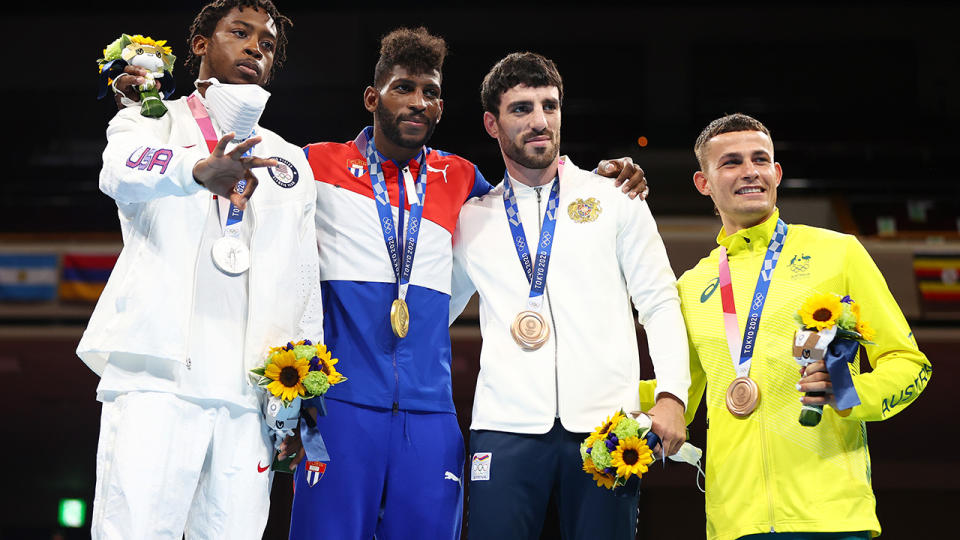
358,280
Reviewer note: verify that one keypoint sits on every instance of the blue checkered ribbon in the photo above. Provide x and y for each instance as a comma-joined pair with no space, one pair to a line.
391,233
760,294
536,274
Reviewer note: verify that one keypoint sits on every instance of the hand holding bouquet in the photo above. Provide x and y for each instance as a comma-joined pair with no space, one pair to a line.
290,374
617,450
154,56
831,330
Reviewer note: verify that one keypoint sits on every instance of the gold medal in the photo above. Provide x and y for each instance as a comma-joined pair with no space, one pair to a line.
529,330
743,396
399,318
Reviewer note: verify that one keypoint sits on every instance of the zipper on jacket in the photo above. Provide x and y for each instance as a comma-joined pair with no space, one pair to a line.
766,470
401,226
546,292
246,320
193,287
396,382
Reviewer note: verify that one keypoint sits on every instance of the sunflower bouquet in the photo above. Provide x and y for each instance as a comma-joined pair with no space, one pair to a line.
617,450
290,375
831,329
154,56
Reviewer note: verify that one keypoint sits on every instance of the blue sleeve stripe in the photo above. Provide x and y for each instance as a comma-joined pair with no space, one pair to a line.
480,185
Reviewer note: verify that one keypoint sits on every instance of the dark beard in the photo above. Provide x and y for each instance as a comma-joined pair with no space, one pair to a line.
390,126
541,159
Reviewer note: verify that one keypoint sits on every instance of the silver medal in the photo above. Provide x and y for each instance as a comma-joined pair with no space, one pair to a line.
231,256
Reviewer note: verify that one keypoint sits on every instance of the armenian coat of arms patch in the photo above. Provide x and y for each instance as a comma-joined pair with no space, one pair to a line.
584,211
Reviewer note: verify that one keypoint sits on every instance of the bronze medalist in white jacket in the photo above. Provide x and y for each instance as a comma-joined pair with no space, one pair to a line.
606,253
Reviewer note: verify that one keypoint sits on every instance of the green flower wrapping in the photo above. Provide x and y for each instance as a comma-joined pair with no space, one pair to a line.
625,428
316,383
600,455
305,351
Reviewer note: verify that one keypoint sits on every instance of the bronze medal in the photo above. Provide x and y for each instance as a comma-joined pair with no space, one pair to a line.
742,396
529,330
399,318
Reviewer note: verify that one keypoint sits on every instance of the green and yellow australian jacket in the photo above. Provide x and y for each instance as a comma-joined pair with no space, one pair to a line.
766,472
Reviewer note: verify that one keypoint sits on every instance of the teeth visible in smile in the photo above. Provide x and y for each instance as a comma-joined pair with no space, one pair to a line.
744,191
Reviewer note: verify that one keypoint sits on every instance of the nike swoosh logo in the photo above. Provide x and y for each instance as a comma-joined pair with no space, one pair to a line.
261,469
190,146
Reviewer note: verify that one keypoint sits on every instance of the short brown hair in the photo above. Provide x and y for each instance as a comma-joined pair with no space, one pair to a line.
526,68
414,49
727,124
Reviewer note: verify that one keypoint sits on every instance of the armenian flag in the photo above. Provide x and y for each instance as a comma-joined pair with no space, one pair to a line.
85,275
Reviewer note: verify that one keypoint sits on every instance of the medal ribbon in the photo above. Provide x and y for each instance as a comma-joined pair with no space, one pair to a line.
536,275
731,327
390,232
230,218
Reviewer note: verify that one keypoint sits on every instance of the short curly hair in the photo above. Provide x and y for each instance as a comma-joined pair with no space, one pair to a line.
726,124
206,22
415,49
526,68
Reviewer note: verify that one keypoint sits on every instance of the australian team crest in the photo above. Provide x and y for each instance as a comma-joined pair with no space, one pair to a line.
315,470
583,211
284,174
358,167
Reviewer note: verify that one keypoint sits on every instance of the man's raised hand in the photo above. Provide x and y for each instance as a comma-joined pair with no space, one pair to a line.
221,171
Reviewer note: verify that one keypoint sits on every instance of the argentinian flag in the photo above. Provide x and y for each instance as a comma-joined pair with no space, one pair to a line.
28,276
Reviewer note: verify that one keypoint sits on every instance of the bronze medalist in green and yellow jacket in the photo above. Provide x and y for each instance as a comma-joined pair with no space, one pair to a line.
766,472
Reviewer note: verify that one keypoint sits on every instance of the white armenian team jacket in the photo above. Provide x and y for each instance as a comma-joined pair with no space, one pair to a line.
606,254
146,306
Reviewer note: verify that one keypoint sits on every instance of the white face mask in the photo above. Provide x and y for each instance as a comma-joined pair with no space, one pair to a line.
688,453
236,107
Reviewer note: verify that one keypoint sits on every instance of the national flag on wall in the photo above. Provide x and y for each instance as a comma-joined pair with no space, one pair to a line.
938,278
28,277
85,275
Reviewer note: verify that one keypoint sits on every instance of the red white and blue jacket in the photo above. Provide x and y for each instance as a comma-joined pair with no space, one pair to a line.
359,284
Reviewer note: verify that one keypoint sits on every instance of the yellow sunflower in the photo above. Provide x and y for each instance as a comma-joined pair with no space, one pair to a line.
865,330
146,40
287,374
603,480
326,365
821,311
631,457
605,427
589,467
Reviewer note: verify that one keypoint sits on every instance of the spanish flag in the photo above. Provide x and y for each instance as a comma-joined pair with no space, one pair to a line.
85,275
938,278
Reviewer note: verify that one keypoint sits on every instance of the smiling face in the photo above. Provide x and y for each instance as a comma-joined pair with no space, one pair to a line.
240,50
528,125
739,174
406,109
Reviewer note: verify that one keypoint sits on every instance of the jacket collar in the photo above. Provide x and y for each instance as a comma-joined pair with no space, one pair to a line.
521,189
365,138
750,239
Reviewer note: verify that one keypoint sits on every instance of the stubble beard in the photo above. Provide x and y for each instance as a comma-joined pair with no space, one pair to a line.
539,158
390,126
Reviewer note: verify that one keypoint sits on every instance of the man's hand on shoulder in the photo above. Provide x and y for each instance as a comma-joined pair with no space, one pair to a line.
668,423
221,172
627,174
